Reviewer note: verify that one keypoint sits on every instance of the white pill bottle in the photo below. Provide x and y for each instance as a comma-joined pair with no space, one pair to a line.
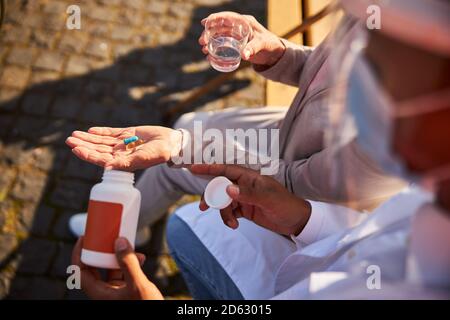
113,212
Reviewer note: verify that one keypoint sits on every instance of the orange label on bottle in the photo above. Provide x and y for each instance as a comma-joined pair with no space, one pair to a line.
103,226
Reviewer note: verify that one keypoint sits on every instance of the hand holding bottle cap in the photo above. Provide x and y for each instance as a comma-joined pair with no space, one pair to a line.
216,195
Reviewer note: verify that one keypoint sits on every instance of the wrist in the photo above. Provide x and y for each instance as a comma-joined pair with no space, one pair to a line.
176,143
278,53
275,56
303,218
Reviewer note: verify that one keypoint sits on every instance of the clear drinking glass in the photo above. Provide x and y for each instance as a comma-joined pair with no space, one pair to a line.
226,36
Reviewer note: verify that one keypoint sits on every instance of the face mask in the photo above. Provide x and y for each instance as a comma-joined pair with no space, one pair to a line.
374,114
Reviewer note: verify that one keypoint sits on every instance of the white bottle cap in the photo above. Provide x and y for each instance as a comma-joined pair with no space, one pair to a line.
216,195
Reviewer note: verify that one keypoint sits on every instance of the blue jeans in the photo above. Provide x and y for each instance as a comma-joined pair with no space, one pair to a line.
204,276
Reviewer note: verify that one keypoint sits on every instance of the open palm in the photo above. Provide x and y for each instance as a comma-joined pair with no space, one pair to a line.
104,146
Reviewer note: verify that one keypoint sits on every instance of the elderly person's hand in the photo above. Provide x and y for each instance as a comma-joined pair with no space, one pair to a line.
104,146
128,283
258,198
263,49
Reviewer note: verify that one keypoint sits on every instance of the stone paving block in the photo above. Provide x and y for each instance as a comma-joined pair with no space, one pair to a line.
41,76
130,17
36,256
157,7
66,107
55,7
125,117
29,185
98,48
61,227
102,14
8,243
43,158
41,130
77,168
97,29
73,42
96,113
71,194
15,35
40,220
61,156
62,261
69,88
54,22
15,153
135,4
108,73
36,288
14,77
33,20
42,38
29,127
180,9
36,103
3,51
121,50
78,65
137,74
7,275
20,56
97,89
7,177
122,33
8,99
51,61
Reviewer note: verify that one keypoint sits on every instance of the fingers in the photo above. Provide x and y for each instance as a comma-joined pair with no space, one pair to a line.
129,264
203,206
203,39
75,142
95,138
89,274
92,156
141,257
232,172
107,131
76,253
228,218
117,275
252,48
247,194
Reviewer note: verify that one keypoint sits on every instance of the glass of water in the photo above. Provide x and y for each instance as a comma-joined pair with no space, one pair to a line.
226,36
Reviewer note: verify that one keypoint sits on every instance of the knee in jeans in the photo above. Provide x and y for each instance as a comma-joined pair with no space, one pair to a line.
177,232
184,121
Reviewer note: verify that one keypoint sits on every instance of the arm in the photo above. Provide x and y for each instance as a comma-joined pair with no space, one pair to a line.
274,58
289,68
311,178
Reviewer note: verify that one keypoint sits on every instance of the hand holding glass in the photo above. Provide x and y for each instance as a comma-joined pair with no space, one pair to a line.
226,37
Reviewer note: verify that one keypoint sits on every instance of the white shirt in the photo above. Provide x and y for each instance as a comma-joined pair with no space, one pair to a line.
336,250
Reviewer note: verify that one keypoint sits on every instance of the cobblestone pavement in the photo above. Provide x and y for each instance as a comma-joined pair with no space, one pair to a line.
131,60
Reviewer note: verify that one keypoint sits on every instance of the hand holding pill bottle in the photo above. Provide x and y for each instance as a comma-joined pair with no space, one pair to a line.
112,213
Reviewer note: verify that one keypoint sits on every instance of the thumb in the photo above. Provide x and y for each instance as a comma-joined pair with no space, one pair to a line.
252,48
129,263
